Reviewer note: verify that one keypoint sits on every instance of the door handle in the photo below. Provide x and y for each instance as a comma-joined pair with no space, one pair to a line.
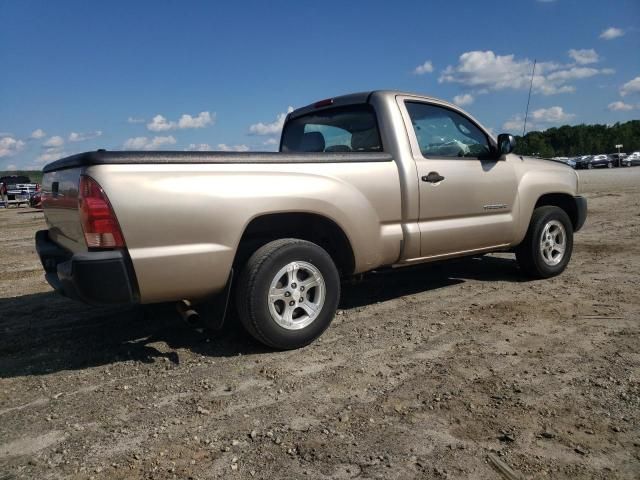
433,177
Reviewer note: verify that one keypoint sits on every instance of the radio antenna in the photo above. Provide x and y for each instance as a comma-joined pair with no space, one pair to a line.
526,113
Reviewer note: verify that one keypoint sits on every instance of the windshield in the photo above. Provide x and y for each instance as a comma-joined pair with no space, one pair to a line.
342,129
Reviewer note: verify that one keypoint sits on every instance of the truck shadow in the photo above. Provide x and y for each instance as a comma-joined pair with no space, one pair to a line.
388,284
45,333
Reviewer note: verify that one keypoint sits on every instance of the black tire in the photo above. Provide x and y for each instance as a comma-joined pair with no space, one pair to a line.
530,258
252,294
609,165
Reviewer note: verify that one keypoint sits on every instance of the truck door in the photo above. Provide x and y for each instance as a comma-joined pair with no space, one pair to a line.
467,196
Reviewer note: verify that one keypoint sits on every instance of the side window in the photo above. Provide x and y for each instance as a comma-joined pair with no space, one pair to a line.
444,133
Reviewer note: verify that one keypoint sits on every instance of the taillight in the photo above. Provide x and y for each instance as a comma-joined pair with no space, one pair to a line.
99,223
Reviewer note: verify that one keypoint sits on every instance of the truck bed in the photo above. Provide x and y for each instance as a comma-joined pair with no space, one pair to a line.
183,214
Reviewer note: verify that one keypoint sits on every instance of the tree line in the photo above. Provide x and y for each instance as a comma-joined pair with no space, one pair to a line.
571,141
34,175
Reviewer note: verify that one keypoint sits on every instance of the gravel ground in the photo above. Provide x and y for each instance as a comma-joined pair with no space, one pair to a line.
439,371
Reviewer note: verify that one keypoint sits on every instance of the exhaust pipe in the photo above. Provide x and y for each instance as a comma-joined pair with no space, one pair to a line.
187,313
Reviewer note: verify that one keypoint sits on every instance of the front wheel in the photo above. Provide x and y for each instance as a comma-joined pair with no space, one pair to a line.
288,293
546,249
609,165
590,167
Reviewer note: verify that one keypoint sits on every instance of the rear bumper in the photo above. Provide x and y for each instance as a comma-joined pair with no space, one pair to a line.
103,277
581,212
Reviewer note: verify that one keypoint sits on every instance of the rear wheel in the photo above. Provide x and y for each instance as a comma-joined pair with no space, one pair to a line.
590,166
288,293
546,249
609,165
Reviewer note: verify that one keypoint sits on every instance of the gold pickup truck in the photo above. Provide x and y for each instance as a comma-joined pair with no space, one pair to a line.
360,182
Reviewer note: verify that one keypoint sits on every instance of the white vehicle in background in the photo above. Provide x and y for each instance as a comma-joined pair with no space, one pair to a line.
632,159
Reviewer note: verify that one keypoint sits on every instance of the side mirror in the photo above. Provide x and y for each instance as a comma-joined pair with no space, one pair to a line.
506,143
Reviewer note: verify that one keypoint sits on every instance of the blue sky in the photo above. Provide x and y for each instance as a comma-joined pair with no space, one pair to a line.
80,75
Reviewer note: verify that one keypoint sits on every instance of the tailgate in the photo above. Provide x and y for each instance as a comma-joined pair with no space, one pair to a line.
60,205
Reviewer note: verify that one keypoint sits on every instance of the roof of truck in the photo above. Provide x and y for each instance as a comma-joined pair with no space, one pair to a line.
365,97
361,97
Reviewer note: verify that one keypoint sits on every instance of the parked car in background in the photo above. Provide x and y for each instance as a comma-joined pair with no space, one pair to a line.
618,158
601,161
582,161
35,201
19,189
633,159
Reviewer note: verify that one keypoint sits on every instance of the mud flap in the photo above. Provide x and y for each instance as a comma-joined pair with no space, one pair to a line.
214,310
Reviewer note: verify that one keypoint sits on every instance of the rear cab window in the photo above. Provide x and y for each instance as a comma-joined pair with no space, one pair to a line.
352,128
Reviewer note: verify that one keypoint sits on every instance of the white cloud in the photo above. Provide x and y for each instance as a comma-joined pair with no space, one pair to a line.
632,86
161,124
584,56
54,142
273,128
577,73
271,141
9,146
11,167
619,107
611,33
464,99
53,149
51,155
200,121
135,120
198,147
81,137
426,67
38,133
538,119
485,71
514,124
146,143
232,148
551,115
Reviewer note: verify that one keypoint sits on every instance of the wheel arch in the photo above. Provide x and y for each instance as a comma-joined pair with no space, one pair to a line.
563,201
312,227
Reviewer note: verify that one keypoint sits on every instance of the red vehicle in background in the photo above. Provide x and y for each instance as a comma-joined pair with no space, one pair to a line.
35,201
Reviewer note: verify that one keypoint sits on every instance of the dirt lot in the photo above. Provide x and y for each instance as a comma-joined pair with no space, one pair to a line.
425,373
